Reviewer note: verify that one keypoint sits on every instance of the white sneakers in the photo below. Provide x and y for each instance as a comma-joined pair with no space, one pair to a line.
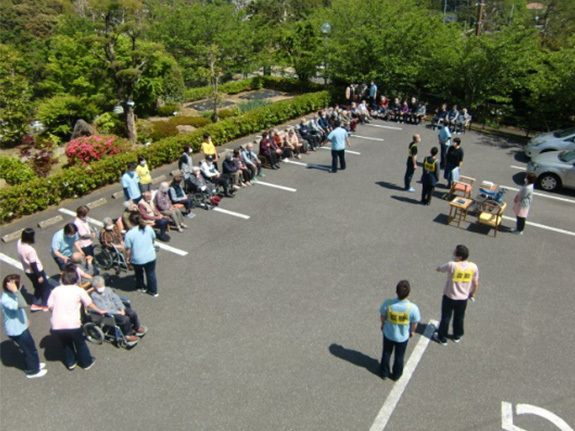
40,373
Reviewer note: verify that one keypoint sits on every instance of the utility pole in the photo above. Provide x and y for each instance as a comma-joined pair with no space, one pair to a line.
479,22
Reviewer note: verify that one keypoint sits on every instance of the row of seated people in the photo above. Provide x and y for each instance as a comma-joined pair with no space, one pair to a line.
412,112
457,121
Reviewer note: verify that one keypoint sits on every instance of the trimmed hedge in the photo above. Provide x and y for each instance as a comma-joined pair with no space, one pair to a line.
288,85
37,195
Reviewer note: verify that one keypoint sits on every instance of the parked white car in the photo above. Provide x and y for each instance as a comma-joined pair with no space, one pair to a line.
554,170
558,140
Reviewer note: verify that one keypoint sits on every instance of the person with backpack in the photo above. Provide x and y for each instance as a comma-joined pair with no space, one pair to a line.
430,176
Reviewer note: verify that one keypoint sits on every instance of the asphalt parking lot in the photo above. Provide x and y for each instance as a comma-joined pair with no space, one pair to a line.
270,321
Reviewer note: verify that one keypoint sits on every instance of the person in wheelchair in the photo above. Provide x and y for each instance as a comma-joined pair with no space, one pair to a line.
205,191
110,236
126,318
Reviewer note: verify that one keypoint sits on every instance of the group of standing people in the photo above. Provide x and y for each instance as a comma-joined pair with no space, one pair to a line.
400,317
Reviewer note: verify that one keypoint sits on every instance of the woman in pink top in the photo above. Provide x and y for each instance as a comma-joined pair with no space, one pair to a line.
65,302
85,233
34,270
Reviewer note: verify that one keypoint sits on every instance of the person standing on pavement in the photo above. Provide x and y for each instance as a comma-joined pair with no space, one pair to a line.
131,184
34,270
144,175
522,202
141,253
399,318
462,283
454,159
430,176
16,326
338,138
209,149
444,143
411,163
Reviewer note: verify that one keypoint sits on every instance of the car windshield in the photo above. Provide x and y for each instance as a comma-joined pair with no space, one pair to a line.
567,156
564,132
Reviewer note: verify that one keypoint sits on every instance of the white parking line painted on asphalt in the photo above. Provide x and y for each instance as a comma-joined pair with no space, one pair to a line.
10,261
527,409
543,195
520,168
367,138
73,214
324,168
392,399
346,151
170,248
220,210
275,186
383,127
542,226
99,223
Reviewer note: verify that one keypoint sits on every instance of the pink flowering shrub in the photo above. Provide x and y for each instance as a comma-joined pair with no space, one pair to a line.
87,149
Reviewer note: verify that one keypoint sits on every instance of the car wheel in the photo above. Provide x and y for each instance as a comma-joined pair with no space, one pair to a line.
549,182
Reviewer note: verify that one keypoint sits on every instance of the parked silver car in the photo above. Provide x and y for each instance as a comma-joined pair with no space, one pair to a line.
554,170
558,140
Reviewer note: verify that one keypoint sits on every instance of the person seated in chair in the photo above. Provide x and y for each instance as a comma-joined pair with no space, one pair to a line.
210,173
163,204
126,318
130,208
420,113
198,184
462,121
452,116
247,172
84,267
268,151
179,197
439,117
251,160
229,167
153,217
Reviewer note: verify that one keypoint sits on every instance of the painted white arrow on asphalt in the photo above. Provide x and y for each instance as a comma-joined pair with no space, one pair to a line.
527,409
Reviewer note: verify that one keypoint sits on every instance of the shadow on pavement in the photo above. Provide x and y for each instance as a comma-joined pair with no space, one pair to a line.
390,186
124,282
52,348
441,219
326,168
12,356
519,178
356,358
520,156
406,199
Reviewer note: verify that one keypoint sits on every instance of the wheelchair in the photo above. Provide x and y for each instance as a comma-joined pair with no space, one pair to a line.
99,328
110,258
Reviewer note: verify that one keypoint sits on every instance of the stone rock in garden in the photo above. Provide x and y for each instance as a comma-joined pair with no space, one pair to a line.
185,129
82,128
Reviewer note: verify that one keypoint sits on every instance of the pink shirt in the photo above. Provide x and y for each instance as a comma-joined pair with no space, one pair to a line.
65,301
28,256
83,230
459,289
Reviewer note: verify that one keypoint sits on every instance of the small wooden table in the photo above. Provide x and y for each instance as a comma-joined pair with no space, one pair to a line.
458,210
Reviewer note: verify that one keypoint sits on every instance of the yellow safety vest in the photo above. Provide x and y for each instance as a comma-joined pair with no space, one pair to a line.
413,144
429,167
398,317
463,276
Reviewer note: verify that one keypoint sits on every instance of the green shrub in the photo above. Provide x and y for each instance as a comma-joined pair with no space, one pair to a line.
109,124
38,194
162,129
251,105
60,113
167,110
226,113
182,120
14,171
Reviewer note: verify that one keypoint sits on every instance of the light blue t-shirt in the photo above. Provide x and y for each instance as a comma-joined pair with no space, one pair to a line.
142,244
63,243
392,331
372,90
337,137
445,136
15,320
131,182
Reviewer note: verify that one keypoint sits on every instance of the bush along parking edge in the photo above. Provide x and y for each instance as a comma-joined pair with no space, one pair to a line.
38,194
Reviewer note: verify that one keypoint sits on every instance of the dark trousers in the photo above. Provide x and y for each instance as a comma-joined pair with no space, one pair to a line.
426,193
26,343
60,262
443,154
456,308
150,269
520,224
75,348
388,348
408,175
162,224
41,290
129,322
335,155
